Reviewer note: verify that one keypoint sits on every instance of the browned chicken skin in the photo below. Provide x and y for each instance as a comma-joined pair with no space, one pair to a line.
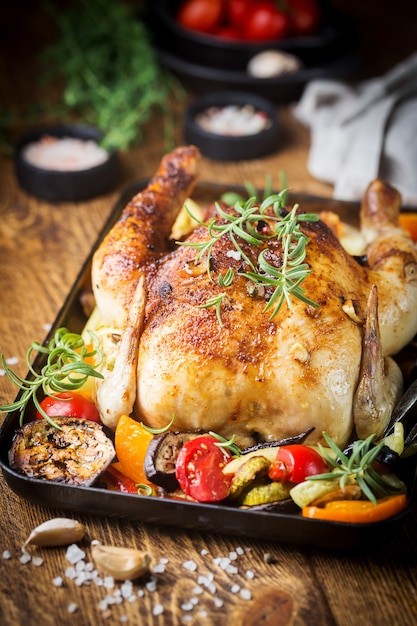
253,376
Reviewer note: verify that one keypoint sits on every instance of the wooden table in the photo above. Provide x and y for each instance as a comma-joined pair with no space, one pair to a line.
42,248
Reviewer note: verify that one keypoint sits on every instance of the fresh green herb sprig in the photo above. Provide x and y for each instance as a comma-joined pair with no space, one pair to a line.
217,302
227,444
242,225
286,280
158,431
358,467
109,71
65,370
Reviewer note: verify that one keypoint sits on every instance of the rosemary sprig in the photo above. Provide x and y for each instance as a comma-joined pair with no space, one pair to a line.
243,225
358,467
158,431
66,369
228,444
216,301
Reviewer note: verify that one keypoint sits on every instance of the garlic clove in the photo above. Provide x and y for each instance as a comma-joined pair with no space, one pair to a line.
60,531
121,563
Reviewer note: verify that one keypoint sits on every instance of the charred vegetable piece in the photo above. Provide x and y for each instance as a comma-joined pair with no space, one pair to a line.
254,469
76,454
279,442
263,494
286,506
161,458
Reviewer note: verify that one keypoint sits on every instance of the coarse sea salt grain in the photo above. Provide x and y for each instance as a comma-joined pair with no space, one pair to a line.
74,554
25,558
159,568
245,594
151,585
6,554
65,154
158,609
190,565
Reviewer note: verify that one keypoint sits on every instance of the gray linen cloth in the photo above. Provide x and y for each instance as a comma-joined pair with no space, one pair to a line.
363,131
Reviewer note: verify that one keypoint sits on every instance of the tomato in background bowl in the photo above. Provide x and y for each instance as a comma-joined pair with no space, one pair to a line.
264,22
200,15
226,49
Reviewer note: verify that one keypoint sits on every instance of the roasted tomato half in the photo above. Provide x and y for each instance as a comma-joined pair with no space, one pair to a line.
199,469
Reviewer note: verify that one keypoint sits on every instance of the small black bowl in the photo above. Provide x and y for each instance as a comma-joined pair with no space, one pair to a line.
226,147
68,185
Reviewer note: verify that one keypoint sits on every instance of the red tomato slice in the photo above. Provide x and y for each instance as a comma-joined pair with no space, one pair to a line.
263,21
199,469
69,404
200,15
295,462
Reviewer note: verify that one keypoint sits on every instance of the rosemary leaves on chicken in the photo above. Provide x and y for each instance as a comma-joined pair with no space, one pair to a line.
358,467
66,369
243,225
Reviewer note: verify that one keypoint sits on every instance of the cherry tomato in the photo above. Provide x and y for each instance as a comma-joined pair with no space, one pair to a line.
69,404
295,462
131,441
199,469
304,16
263,21
236,11
200,15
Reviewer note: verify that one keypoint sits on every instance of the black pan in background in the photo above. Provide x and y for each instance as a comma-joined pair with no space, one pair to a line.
286,528
283,89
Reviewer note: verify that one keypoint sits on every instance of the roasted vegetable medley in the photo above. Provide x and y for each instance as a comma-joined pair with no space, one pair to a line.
67,443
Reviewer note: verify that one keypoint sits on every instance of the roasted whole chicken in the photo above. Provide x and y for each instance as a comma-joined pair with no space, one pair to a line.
324,361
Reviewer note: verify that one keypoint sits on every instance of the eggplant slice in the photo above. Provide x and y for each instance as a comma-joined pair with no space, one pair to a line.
161,457
76,453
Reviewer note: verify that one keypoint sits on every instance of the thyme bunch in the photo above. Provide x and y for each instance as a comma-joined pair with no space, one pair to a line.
109,71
